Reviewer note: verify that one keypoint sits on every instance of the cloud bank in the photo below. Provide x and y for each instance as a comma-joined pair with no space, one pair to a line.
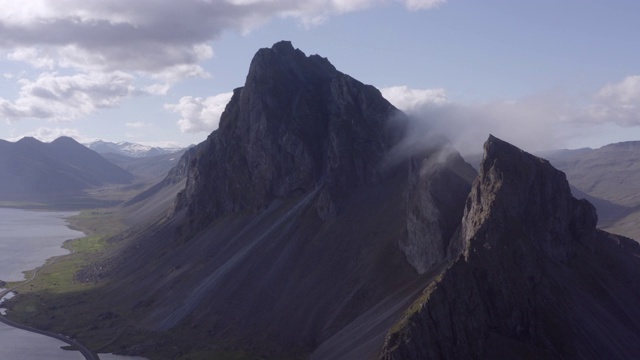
200,114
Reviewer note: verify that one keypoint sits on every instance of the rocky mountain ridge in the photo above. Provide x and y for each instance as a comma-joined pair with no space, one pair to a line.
534,280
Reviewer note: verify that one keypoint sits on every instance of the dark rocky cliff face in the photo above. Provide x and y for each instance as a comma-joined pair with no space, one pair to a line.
299,125
296,221
535,279
296,125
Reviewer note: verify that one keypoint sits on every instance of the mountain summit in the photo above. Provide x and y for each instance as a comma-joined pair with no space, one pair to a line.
297,125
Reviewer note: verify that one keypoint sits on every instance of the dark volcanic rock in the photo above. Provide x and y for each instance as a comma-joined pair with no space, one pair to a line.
297,124
535,279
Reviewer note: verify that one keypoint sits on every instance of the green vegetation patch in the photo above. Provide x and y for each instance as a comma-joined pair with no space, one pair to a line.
57,275
54,298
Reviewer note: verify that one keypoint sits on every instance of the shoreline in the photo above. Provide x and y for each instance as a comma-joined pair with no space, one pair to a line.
76,345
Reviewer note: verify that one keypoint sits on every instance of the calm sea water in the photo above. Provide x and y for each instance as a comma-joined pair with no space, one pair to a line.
27,240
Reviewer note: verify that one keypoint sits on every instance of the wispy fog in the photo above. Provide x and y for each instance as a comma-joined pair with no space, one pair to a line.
539,122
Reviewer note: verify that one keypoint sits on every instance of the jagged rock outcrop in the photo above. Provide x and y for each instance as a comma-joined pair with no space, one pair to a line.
534,280
296,220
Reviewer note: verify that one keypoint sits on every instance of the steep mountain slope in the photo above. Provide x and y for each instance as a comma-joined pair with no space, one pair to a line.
32,170
535,279
300,215
159,198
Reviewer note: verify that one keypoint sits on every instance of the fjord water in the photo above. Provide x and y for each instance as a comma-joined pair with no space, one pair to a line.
27,240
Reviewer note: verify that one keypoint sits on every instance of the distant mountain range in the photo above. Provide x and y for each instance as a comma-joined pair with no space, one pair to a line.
37,171
130,149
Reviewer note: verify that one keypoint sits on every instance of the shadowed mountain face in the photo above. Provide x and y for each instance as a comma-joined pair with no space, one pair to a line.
535,279
36,171
299,218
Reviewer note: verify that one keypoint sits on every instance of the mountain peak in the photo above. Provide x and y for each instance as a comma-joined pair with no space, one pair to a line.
287,65
515,187
65,140
283,46
296,123
28,140
531,254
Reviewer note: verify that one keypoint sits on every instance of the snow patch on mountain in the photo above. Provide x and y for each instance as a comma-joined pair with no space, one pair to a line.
130,149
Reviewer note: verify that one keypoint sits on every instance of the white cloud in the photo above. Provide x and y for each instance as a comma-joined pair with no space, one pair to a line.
533,123
114,34
415,5
618,103
538,122
156,89
64,98
137,125
200,114
408,99
105,46
32,56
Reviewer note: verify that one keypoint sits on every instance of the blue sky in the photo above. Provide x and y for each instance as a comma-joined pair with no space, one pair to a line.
542,74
